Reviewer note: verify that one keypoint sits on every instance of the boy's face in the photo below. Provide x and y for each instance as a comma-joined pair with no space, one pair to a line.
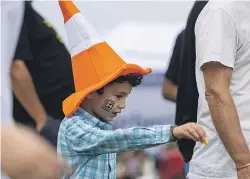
111,101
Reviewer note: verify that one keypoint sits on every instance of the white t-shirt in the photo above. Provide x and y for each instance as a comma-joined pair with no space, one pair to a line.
222,34
11,21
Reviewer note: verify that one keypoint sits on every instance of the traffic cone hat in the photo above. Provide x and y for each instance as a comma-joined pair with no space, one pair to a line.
94,62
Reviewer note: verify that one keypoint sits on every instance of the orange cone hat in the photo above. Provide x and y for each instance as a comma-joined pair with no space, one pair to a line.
94,62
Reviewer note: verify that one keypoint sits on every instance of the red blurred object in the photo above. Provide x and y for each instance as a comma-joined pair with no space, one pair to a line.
171,165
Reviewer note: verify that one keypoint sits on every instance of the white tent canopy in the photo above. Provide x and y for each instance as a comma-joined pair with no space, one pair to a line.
149,44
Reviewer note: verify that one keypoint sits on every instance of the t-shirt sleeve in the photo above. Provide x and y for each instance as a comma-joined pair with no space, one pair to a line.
172,72
216,38
23,49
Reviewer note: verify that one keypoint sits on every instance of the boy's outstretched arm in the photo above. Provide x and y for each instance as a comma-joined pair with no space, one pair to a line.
88,140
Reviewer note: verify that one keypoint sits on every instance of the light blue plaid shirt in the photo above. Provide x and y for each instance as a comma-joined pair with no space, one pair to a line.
90,145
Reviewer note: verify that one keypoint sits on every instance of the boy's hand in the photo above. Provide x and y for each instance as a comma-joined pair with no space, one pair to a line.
190,131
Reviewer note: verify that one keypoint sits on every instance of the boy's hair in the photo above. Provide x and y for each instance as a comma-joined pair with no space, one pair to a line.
133,79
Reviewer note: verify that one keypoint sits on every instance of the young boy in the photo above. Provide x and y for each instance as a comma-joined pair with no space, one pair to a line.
103,81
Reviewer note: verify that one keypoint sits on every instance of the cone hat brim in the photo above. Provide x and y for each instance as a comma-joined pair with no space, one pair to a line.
72,103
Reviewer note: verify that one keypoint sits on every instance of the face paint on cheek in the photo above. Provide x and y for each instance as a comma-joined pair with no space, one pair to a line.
108,105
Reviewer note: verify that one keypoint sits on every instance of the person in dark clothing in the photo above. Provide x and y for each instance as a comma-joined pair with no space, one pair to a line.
170,84
187,96
42,75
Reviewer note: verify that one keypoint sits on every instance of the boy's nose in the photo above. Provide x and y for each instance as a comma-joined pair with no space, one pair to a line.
122,105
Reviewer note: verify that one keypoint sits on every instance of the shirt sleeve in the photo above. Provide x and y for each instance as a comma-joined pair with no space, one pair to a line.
23,49
172,72
88,140
216,38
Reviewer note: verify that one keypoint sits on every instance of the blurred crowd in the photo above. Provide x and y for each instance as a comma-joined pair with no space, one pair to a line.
168,163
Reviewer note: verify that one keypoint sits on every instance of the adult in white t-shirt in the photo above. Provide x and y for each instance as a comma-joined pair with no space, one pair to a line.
23,154
11,20
223,77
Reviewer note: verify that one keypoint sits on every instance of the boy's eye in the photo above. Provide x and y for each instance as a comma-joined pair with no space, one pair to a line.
119,96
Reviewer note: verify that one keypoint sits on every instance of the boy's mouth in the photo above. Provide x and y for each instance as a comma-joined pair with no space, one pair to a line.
115,113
